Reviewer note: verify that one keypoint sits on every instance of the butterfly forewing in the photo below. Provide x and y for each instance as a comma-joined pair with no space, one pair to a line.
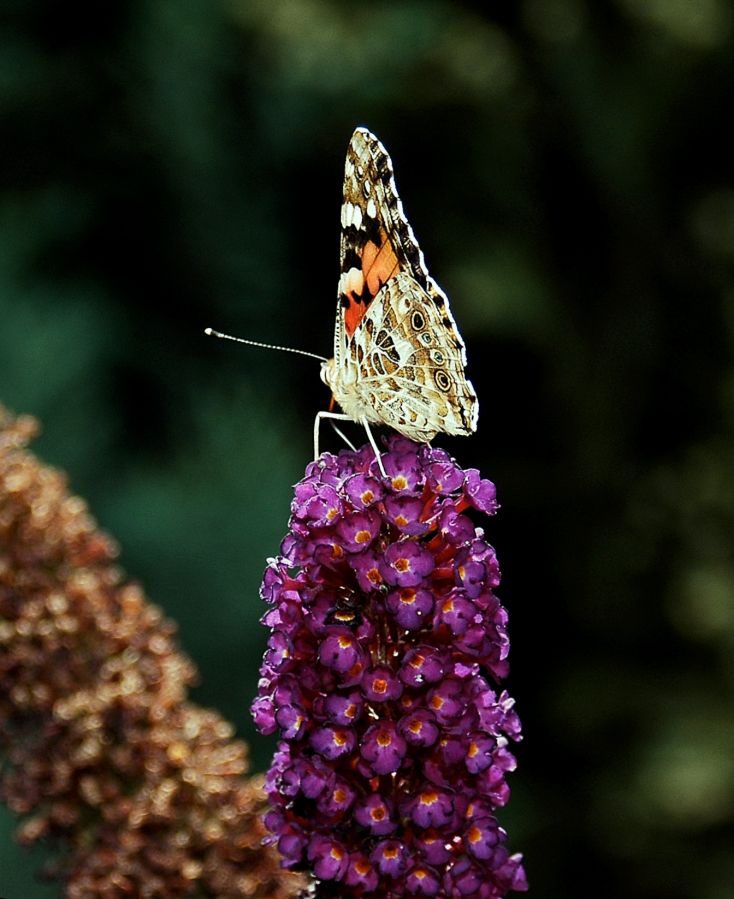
398,356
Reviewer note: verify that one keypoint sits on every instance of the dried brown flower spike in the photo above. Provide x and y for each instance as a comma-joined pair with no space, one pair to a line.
142,791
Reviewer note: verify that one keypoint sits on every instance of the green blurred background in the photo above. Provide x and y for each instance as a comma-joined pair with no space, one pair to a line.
171,164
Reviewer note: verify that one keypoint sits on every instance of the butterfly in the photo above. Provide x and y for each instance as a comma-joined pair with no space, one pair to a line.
398,356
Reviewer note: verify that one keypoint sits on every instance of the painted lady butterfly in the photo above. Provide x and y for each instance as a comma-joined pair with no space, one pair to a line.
398,356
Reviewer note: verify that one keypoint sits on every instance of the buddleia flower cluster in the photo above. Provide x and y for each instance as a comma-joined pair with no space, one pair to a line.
141,792
387,643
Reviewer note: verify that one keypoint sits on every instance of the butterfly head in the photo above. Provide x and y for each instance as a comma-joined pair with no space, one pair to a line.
343,392
328,373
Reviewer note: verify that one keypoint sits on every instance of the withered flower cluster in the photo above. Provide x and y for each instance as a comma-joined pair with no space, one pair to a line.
141,791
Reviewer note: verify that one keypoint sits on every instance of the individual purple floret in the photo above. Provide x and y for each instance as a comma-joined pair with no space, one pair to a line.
386,645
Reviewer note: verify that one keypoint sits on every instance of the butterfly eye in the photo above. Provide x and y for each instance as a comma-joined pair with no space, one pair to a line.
417,321
443,382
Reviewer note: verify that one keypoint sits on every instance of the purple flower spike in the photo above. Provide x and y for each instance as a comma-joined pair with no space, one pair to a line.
385,632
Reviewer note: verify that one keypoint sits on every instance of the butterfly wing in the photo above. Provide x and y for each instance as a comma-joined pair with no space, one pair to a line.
380,258
410,375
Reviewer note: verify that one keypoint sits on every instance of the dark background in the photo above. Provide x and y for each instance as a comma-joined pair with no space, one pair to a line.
171,164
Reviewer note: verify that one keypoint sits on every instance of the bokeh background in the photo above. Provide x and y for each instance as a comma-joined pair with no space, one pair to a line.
171,164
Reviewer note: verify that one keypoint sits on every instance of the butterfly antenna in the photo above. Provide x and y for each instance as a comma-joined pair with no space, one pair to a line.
268,346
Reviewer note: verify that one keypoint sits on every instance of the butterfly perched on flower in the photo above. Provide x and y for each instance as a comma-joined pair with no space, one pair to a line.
398,356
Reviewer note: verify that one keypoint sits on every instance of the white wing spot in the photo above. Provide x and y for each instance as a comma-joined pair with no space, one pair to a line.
353,280
371,208
367,188
357,216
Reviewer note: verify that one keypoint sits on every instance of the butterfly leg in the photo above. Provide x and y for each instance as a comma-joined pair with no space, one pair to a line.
378,457
344,437
339,416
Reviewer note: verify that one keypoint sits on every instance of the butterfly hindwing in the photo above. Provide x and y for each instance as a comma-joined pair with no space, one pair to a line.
412,375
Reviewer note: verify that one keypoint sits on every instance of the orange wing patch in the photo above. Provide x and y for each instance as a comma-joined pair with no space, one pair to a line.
355,309
353,314
379,264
